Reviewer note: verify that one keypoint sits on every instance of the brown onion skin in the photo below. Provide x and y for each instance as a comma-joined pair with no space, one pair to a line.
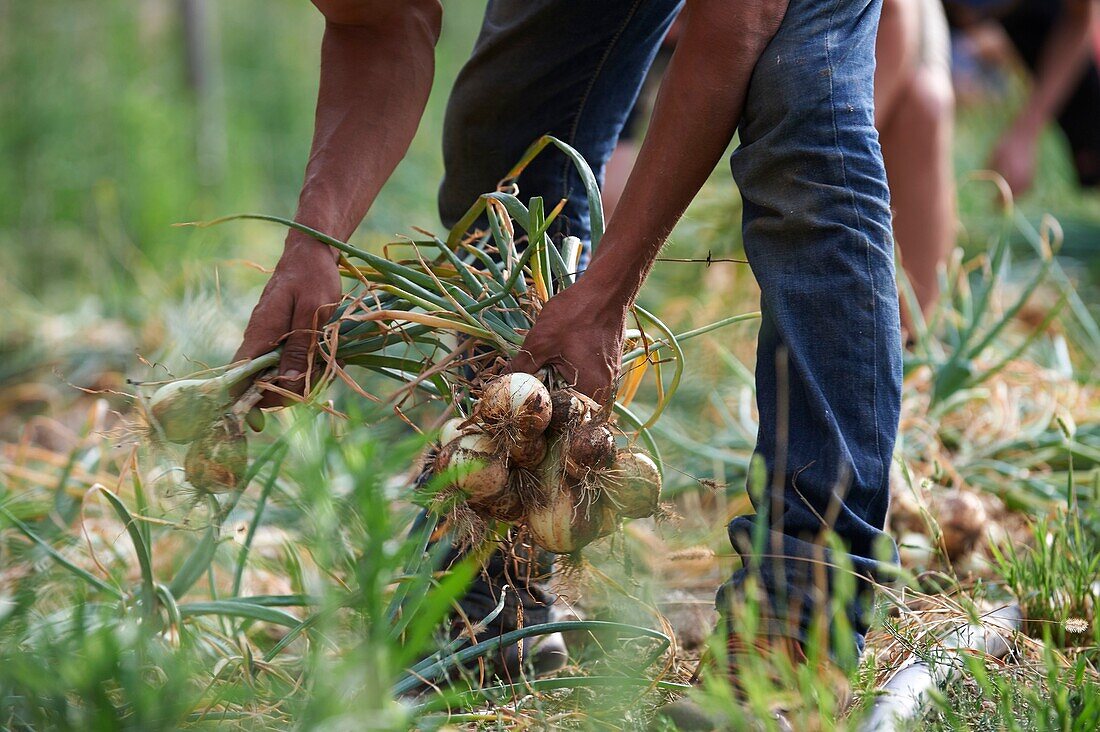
589,448
507,506
570,522
216,462
568,408
528,453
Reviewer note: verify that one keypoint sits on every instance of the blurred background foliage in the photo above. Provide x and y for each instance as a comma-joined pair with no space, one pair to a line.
121,121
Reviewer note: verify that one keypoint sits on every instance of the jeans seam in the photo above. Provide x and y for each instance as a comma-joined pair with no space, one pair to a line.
867,244
588,92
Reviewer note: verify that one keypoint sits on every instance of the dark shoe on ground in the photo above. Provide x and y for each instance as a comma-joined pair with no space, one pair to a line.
527,603
541,655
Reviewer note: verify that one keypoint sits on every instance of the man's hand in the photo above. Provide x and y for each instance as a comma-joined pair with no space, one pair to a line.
295,305
1062,61
580,334
377,64
580,331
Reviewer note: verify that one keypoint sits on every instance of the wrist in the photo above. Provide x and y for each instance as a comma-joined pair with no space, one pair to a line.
299,245
611,284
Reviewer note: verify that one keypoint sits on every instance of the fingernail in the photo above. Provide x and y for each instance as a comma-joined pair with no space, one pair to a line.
292,375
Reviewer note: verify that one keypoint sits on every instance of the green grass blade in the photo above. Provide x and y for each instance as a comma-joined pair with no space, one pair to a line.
58,557
462,227
689,334
1089,329
591,189
471,697
239,609
438,669
145,558
673,343
196,563
257,516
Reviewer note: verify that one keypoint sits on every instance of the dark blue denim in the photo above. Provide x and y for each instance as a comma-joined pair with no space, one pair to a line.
816,231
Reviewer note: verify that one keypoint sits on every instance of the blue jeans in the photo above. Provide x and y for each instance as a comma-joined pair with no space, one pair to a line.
816,231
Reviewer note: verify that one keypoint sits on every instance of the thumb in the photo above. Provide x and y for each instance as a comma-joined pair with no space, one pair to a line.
299,351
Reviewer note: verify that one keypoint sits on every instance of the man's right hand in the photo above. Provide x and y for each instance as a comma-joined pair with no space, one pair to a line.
296,303
377,65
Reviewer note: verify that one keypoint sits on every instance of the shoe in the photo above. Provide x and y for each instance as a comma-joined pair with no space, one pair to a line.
541,655
527,602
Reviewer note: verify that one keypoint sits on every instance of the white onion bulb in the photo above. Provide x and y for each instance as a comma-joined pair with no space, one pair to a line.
569,521
633,486
451,430
516,404
478,470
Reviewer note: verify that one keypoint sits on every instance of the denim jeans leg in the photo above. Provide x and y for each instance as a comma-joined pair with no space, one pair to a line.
561,67
817,234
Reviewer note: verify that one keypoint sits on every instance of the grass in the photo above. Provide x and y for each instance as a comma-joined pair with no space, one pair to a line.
141,612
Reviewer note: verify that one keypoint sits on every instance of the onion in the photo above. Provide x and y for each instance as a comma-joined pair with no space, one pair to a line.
570,408
478,471
633,486
509,504
569,522
588,448
962,519
516,404
528,453
216,462
184,409
451,430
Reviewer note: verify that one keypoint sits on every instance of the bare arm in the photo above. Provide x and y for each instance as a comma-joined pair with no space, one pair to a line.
1061,63
697,111
377,62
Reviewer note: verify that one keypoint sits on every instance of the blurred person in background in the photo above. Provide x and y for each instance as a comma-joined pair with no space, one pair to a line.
915,117
1058,42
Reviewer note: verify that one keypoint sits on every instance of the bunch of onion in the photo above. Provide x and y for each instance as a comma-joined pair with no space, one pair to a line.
444,316
547,460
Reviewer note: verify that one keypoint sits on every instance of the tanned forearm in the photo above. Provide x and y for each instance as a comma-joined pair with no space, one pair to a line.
376,73
580,331
377,61
698,108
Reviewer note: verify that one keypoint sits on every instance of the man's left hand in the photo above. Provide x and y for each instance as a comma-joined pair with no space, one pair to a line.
579,333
